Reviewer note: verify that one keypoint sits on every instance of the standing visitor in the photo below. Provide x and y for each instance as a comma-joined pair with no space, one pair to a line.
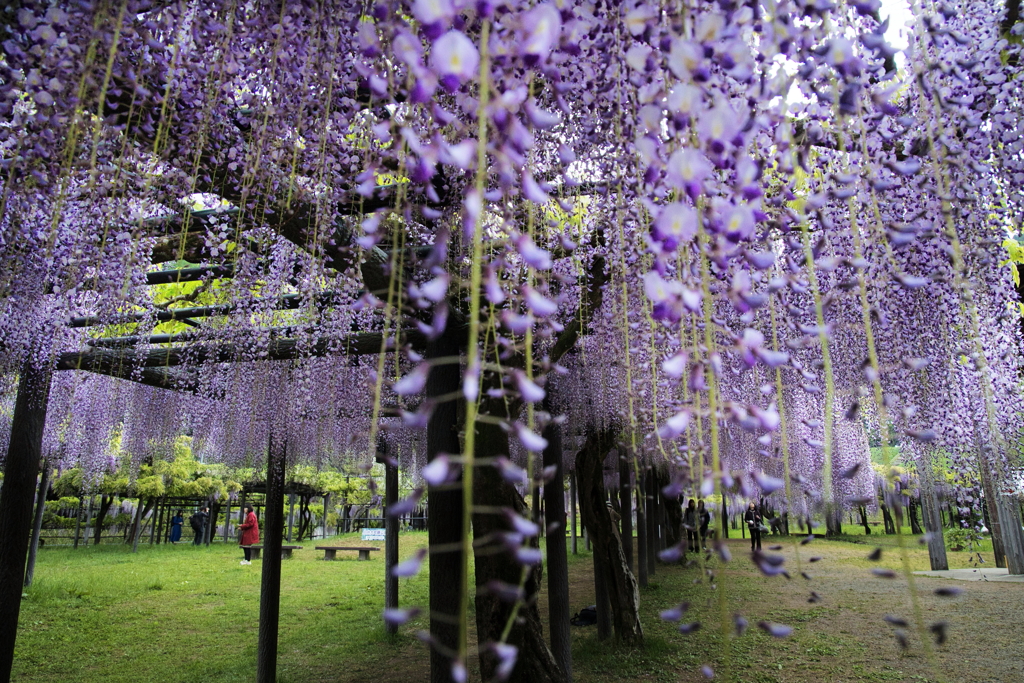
176,521
198,523
690,523
250,535
704,518
753,519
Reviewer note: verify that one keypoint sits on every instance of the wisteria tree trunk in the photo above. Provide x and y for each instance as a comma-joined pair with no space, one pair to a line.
610,562
444,520
933,525
494,563
21,467
915,525
833,520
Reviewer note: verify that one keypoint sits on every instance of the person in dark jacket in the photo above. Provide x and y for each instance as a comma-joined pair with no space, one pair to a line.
704,519
753,519
198,523
690,524
176,521
250,534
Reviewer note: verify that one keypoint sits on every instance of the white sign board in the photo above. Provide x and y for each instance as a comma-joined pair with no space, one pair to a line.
373,534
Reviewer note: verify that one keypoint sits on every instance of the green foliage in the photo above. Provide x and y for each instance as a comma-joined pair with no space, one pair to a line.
182,475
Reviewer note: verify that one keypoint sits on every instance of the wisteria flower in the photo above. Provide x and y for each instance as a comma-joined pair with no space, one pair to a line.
455,59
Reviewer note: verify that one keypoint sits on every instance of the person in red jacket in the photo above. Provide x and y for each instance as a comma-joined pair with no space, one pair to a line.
250,534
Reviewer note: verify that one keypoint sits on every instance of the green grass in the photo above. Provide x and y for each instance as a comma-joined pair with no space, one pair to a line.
181,613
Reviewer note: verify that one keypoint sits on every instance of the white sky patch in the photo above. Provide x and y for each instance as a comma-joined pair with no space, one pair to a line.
899,14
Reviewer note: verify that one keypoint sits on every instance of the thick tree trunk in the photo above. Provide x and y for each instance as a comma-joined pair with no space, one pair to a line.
21,468
915,525
444,521
610,562
833,520
862,511
933,525
626,508
495,563
887,523
37,526
136,526
557,559
1013,538
270,584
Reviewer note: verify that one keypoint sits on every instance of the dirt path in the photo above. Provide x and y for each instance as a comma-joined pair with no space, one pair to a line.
841,637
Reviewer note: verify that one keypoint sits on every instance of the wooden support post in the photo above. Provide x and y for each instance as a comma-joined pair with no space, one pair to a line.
641,532
572,515
626,509
137,526
227,521
650,503
390,541
725,518
158,521
291,515
88,520
270,584
37,526
78,524
554,543
211,520
327,503
21,468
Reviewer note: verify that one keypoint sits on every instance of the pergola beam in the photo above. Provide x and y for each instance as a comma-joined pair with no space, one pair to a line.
285,302
151,366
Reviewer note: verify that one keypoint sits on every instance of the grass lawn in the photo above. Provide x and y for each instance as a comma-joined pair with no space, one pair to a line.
182,614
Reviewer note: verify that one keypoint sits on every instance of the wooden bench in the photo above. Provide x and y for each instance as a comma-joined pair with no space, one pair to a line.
286,551
331,550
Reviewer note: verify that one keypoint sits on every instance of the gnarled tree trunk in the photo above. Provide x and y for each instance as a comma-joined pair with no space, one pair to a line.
610,561
494,563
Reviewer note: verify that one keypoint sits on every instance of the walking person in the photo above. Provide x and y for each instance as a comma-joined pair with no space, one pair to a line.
704,519
753,519
690,524
176,521
250,535
198,524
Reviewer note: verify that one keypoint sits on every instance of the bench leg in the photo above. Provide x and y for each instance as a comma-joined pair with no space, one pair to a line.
256,553
286,553
330,554
364,554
